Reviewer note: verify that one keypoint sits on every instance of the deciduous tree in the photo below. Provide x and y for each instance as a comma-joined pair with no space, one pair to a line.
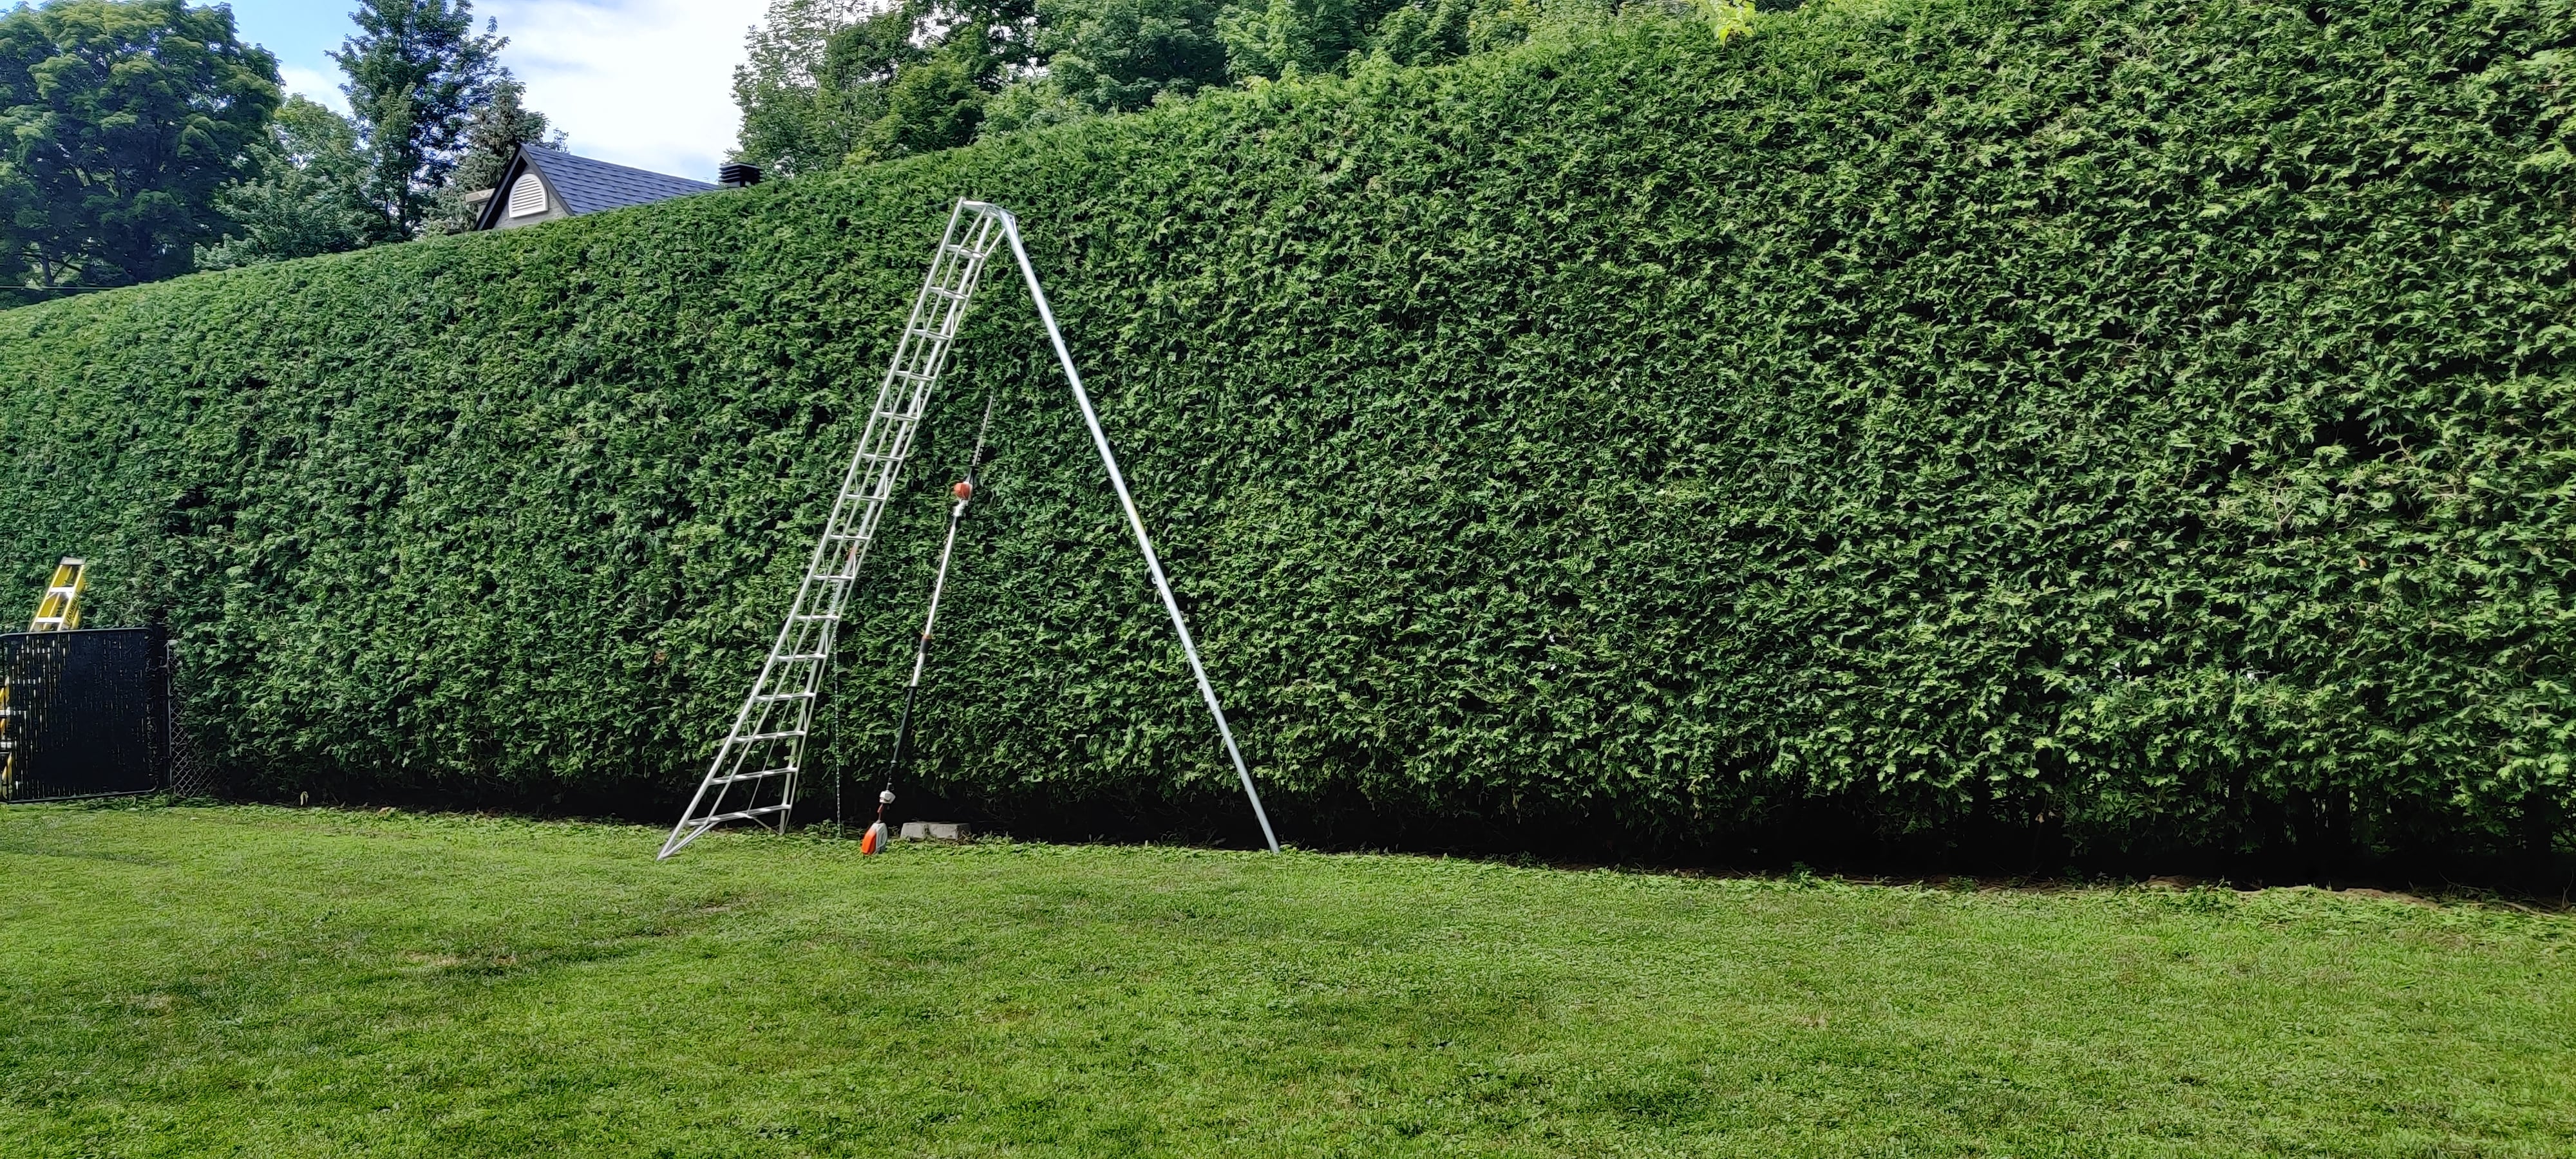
1118,55
802,109
310,199
119,119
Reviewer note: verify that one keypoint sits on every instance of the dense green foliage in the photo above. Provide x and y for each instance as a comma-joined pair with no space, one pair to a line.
1119,55
2139,419
260,981
119,120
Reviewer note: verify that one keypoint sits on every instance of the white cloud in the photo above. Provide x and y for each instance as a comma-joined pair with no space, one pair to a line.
647,83
315,85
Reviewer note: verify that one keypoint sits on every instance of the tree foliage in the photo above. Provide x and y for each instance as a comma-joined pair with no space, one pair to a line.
496,130
308,198
805,107
119,119
417,72
2134,421
829,82
1116,56
814,81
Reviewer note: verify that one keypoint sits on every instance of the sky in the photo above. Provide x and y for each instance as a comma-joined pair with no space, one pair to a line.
647,83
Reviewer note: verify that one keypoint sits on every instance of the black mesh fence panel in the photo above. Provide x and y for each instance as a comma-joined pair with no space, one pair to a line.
190,774
88,713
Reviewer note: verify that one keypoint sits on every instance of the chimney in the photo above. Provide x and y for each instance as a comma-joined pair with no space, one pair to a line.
738,175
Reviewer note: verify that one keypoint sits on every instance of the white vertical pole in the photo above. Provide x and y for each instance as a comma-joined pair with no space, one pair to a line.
1136,522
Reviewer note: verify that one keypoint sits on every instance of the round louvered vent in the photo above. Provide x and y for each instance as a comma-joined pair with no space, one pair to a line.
527,196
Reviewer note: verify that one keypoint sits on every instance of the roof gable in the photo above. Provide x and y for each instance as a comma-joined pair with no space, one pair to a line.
583,185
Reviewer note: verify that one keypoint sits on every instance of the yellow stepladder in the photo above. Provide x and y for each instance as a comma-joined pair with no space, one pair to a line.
58,611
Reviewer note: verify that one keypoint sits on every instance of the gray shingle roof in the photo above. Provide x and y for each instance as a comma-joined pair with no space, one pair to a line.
588,186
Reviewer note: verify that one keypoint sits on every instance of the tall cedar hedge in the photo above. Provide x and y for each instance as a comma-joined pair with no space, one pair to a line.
2149,418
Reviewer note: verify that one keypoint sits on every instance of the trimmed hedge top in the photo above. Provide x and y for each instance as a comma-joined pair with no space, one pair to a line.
2145,417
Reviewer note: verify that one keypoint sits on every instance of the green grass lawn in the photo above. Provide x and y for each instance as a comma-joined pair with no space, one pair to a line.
253,981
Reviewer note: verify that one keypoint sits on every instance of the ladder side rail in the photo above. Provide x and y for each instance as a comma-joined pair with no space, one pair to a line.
1136,522
933,366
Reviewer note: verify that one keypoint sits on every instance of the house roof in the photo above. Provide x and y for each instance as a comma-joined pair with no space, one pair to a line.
587,186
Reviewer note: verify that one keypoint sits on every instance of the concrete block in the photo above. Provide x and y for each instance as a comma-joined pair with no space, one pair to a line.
936,831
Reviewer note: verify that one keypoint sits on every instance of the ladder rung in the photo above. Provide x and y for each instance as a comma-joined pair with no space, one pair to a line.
757,737
802,657
763,774
740,815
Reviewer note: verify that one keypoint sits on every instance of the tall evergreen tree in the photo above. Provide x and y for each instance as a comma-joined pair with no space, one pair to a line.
417,70
119,119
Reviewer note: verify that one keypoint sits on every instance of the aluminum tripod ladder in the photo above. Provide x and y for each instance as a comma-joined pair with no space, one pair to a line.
755,771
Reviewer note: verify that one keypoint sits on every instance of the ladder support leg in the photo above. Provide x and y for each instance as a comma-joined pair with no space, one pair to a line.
1136,523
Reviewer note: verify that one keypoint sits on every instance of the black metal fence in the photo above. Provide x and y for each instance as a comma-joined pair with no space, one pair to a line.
88,713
